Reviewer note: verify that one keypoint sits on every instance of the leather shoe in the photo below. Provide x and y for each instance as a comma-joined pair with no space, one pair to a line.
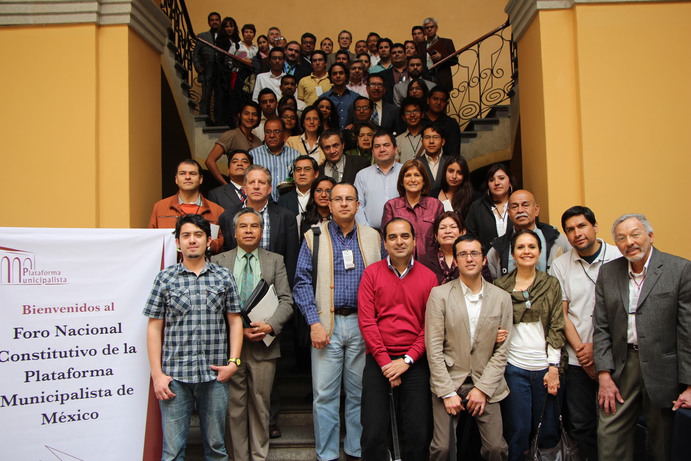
274,431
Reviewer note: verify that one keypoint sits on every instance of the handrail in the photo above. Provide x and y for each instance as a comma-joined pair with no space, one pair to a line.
473,43
484,76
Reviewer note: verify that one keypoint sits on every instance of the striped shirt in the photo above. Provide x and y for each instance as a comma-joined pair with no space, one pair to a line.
194,308
346,282
280,166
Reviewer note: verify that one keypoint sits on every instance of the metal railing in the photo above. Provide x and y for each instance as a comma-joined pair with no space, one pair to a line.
183,40
484,76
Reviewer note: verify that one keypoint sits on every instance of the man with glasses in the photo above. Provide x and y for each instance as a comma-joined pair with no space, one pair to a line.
345,39
327,297
272,78
308,42
305,171
466,363
441,48
316,83
384,114
377,184
410,141
274,154
340,167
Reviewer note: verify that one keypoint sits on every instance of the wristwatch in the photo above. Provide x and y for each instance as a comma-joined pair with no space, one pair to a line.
234,360
408,359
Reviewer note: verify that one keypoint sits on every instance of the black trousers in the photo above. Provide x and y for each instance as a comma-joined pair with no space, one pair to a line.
413,409
581,411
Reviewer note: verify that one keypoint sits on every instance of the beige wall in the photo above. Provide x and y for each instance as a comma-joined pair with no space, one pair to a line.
80,129
604,113
462,20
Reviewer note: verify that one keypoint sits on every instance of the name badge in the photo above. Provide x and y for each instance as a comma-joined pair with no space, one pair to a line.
319,91
348,259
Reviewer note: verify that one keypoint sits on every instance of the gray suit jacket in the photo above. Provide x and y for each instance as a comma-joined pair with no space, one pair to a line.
663,323
274,273
453,355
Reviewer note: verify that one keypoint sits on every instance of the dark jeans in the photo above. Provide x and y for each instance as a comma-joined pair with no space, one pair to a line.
521,411
581,408
413,408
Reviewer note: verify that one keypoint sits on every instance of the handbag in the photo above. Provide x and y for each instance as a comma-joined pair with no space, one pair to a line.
565,450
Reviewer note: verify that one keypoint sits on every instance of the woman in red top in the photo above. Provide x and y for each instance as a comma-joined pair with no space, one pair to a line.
415,205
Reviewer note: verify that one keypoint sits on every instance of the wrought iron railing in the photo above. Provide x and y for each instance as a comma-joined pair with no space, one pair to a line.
484,76
183,40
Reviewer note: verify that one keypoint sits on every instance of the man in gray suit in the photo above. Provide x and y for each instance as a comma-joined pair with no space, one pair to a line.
461,332
250,387
642,341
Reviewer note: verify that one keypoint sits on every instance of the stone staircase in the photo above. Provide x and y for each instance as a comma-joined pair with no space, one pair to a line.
488,140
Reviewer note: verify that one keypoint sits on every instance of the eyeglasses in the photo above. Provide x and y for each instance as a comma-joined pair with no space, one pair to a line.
622,238
375,85
472,254
348,200
362,108
412,112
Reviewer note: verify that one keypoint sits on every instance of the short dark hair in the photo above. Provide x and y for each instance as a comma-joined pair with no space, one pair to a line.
434,126
252,104
398,45
235,152
318,52
277,49
315,165
447,214
399,219
410,101
345,69
515,236
342,52
213,13
373,34
344,183
195,219
513,185
420,28
249,27
383,40
578,210
189,161
366,124
308,35
362,98
266,91
329,133
467,237
288,77
380,133
375,75
440,89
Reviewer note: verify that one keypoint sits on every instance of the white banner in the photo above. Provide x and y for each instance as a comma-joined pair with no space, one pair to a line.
74,372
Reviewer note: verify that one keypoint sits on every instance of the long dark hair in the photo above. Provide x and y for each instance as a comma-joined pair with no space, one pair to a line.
223,40
486,194
311,215
334,122
463,197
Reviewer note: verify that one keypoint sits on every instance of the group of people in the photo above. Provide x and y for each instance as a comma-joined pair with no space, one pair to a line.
417,291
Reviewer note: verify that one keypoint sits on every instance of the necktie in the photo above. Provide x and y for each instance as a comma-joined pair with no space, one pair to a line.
243,195
247,279
375,116
336,173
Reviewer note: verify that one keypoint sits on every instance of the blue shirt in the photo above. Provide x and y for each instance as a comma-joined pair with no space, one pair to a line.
280,166
194,308
375,188
346,282
343,104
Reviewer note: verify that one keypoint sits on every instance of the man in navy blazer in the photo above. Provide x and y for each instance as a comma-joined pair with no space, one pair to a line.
280,232
642,341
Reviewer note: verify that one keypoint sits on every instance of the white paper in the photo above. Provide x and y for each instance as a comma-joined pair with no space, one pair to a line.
264,309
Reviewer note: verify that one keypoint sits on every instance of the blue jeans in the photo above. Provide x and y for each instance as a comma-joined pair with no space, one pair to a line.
211,401
522,408
342,359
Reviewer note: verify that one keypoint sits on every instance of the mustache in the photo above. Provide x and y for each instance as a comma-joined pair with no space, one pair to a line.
522,214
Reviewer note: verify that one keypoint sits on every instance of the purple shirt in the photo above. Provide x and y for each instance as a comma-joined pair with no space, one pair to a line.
421,216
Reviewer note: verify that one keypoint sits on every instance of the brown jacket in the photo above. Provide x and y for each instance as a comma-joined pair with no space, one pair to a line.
167,211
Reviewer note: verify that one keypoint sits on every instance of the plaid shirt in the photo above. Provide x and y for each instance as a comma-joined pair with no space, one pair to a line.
280,166
346,282
194,308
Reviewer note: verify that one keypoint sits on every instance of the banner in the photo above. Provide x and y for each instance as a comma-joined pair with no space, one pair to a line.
74,370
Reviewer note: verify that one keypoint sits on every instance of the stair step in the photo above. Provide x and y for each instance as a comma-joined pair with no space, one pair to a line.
482,124
216,129
500,111
468,136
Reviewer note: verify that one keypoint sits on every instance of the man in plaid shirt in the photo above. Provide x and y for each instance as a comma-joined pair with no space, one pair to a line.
189,363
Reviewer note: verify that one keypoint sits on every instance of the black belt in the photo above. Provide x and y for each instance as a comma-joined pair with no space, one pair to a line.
633,346
345,311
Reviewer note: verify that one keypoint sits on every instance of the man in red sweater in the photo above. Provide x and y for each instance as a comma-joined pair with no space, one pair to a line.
391,311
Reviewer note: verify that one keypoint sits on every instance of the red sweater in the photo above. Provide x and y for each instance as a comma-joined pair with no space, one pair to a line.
391,311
